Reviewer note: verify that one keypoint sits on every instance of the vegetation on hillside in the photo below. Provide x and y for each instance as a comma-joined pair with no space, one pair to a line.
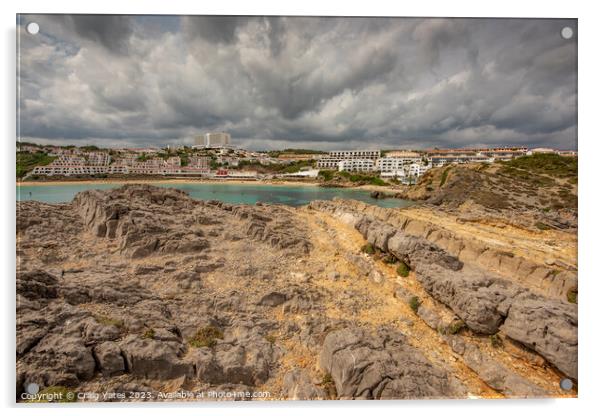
26,161
355,177
292,167
544,164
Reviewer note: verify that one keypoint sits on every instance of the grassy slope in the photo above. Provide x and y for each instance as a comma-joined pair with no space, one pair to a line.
26,161
541,182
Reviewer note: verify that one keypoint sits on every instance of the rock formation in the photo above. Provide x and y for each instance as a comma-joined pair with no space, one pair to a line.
144,289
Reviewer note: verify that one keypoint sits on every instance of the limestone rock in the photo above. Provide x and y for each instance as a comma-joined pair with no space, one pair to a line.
150,358
297,385
546,326
381,366
110,360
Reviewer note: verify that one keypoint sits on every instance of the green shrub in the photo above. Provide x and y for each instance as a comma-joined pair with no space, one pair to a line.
149,334
26,161
444,176
368,248
378,181
270,338
571,295
414,303
206,337
455,327
496,341
403,270
326,174
542,226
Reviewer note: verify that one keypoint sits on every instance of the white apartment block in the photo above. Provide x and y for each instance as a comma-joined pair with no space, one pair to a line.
52,170
98,159
218,139
407,172
356,165
390,164
332,160
199,162
355,154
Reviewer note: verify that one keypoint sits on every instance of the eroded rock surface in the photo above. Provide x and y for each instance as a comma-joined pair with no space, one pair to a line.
143,288
382,366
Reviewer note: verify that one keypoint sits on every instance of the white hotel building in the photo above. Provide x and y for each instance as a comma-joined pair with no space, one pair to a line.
390,164
332,160
356,165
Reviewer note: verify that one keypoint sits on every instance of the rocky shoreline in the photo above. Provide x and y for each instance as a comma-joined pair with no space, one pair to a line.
144,289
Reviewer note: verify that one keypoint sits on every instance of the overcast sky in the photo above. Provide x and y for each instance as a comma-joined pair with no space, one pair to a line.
322,83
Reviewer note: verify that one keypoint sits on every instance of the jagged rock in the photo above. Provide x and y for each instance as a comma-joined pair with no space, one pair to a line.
363,265
378,234
249,364
37,284
377,277
498,376
546,326
429,316
150,358
381,366
477,299
189,279
297,385
109,358
418,251
143,269
58,360
301,300
273,299
92,331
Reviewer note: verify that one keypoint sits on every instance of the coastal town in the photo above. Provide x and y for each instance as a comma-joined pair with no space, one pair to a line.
214,156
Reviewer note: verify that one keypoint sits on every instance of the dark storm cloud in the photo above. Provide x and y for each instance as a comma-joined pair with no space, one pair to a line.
112,32
293,82
214,28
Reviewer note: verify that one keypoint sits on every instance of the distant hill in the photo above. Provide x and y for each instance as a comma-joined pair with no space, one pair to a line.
545,184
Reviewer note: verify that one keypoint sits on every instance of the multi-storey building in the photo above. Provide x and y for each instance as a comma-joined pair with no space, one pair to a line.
407,173
356,165
331,161
98,159
389,164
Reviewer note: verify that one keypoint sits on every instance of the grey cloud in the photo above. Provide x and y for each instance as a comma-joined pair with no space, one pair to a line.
319,82
213,28
110,31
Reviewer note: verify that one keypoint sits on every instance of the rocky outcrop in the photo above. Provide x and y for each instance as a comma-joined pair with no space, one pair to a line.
485,300
546,326
123,215
154,359
497,375
109,358
299,386
120,290
382,366
481,301
276,228
552,280
244,356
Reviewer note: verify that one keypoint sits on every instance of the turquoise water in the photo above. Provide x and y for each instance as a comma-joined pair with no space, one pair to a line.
226,192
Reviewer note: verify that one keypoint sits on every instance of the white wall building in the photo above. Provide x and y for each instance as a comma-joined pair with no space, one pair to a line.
407,173
331,161
217,139
356,165
389,164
